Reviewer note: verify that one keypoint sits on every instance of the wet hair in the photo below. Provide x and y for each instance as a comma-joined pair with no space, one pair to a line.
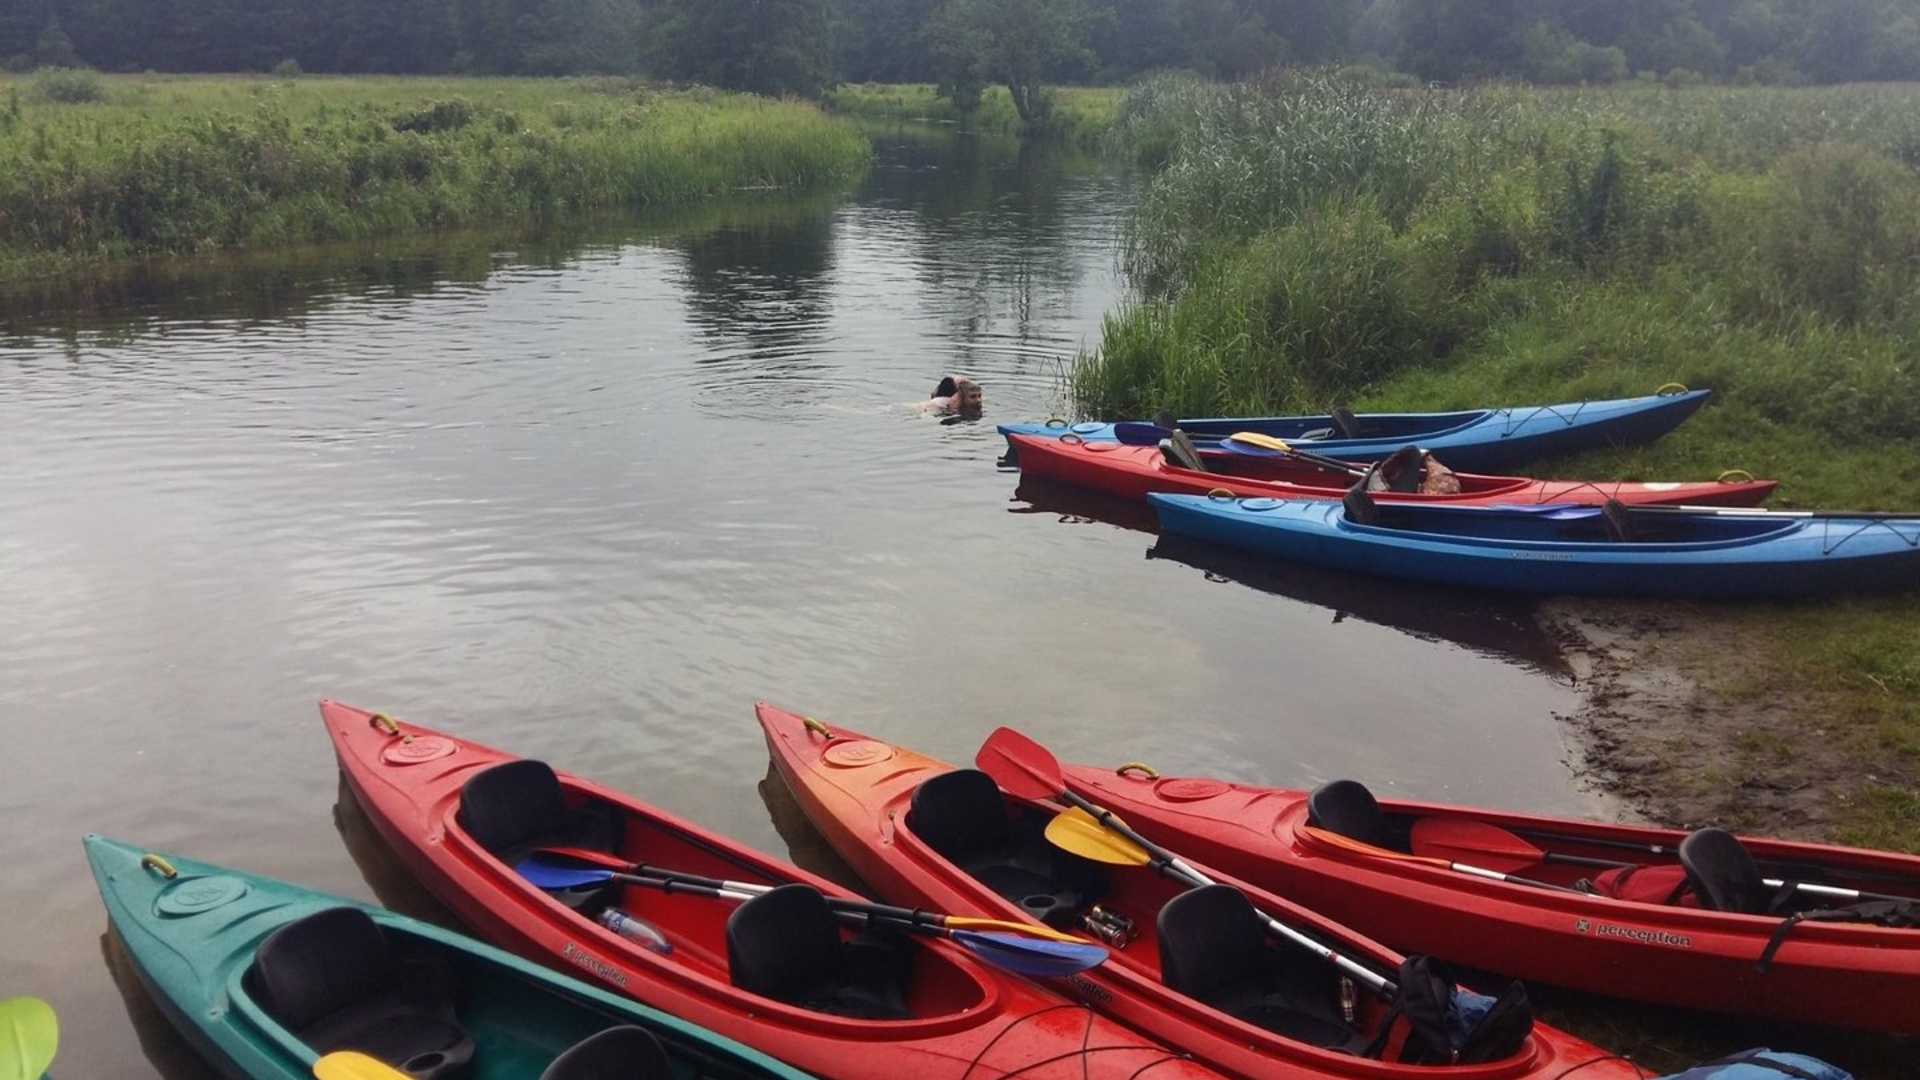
947,388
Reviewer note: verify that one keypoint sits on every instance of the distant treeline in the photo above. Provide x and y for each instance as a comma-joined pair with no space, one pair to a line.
804,46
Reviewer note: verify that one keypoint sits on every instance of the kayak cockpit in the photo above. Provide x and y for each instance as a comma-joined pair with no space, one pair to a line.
645,887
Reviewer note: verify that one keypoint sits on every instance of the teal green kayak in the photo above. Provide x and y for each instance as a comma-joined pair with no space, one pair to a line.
265,977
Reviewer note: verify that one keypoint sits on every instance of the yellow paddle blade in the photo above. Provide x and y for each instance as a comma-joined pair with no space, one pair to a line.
1258,439
353,1065
962,922
1077,831
29,1032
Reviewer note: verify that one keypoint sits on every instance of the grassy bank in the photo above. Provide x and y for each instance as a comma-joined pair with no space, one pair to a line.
106,167
1081,115
1308,241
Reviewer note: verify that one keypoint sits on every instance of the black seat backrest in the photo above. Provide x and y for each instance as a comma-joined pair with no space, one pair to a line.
782,942
618,1053
511,804
960,814
1344,422
1210,938
785,944
1619,522
1722,873
1360,507
1179,451
1348,808
331,979
1399,471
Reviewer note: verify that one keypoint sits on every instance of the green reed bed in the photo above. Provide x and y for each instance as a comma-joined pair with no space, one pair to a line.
1308,241
178,165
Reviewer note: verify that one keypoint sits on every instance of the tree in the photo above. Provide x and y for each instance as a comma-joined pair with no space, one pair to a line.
55,48
761,46
1018,43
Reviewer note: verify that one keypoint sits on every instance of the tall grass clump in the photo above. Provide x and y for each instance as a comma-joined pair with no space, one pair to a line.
199,165
1503,217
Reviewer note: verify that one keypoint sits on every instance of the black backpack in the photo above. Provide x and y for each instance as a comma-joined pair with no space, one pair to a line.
1433,1021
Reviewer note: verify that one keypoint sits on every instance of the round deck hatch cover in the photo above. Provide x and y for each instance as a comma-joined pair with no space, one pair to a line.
1189,788
856,753
191,896
414,751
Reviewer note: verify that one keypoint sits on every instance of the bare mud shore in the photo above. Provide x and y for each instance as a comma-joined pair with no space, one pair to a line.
1669,722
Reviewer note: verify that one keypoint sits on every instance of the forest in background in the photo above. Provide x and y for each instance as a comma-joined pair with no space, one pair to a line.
807,46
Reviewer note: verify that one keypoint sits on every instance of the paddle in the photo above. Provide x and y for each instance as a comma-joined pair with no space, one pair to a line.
354,1065
1492,844
1030,771
29,1034
1364,848
1253,442
1058,954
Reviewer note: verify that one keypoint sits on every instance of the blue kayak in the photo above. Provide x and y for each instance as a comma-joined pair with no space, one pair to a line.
1569,549
1478,440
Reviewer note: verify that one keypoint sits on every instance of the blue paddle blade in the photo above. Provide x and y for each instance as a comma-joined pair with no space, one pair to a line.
1030,956
548,875
1140,433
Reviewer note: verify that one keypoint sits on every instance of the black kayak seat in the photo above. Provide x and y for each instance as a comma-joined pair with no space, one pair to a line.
1213,948
1619,522
1723,873
1345,423
331,979
785,944
1359,506
1179,450
1348,808
618,1053
962,815
1399,471
516,806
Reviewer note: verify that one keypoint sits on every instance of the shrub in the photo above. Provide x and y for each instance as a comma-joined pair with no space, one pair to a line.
431,116
69,86
286,69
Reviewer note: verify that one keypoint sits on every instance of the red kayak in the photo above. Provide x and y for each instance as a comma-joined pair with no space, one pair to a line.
1311,1005
1720,936
713,932
1130,472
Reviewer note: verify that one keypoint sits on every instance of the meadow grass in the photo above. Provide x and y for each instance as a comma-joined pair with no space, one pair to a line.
176,165
1081,115
1307,241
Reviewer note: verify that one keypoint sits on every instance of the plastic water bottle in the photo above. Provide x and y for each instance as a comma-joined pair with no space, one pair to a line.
634,930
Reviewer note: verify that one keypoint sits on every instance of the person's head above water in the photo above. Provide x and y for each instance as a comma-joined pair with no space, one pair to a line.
957,392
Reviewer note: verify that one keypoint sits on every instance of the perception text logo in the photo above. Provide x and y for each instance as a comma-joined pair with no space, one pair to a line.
1633,933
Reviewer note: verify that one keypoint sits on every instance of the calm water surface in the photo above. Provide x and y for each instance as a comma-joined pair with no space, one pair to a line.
587,496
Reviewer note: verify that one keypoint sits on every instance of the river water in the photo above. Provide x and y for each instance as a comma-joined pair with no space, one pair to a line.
587,494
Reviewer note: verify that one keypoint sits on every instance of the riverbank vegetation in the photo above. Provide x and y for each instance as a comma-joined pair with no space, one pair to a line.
1307,241
1079,115
102,167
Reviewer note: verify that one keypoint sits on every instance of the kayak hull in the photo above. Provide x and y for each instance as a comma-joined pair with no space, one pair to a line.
857,791
969,1021
1705,554
1833,973
1132,472
192,930
1480,440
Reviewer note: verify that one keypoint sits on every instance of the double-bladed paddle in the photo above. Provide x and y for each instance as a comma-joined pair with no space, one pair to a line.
1491,844
1362,847
1051,953
1026,769
1261,445
354,1065
29,1034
